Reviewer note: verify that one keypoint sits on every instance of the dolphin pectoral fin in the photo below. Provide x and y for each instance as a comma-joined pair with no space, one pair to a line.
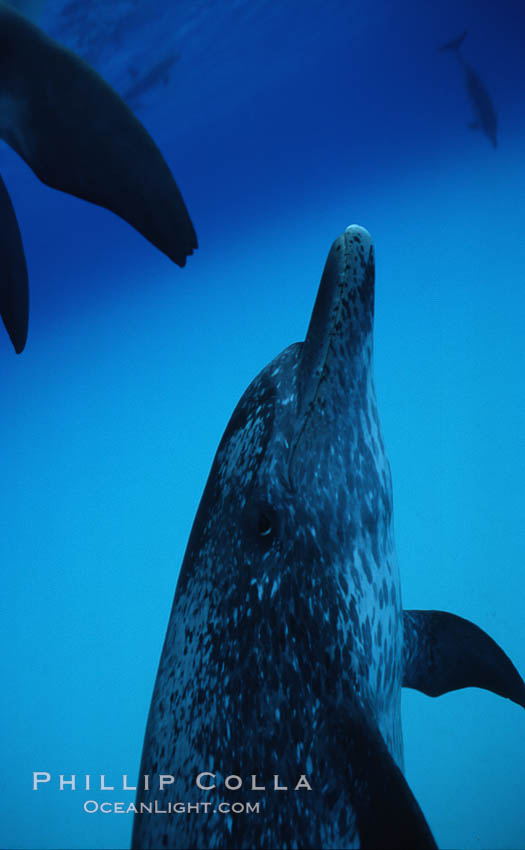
14,289
443,652
78,135
387,814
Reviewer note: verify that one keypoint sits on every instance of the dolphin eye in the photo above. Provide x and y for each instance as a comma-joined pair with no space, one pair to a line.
260,523
265,524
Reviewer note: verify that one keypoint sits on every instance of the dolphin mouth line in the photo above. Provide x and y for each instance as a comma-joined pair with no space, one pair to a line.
333,329
335,319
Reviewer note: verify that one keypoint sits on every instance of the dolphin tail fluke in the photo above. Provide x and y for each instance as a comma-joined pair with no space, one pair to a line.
454,44
14,290
444,653
79,136
363,772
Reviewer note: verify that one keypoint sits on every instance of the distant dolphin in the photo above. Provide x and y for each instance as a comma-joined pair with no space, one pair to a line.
486,118
30,8
142,84
455,43
287,645
78,135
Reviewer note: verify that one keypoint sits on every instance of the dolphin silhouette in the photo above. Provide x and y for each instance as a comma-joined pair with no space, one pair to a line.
287,645
143,83
78,135
485,113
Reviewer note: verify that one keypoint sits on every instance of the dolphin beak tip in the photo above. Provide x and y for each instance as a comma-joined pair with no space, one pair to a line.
359,234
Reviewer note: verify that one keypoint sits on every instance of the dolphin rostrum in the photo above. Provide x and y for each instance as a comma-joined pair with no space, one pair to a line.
485,114
78,135
279,684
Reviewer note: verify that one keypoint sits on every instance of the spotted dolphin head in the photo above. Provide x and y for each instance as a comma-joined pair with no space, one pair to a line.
283,651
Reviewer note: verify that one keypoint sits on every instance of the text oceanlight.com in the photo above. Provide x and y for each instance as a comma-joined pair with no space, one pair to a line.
158,808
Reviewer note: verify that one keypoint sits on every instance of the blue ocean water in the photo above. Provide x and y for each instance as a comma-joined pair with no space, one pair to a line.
282,123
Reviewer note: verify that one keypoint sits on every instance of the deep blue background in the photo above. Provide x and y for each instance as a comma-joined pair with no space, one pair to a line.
283,123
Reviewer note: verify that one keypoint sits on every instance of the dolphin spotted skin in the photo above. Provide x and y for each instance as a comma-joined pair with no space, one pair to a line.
287,645
486,118
78,135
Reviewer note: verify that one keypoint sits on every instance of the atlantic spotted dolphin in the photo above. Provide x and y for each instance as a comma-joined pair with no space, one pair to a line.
280,679
78,135
486,118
